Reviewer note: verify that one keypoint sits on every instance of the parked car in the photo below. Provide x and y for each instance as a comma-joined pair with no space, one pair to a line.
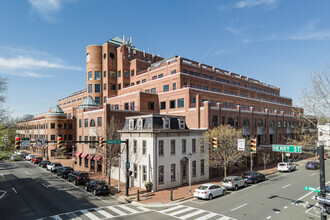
312,165
44,163
98,187
64,171
209,191
36,160
15,157
253,177
53,167
30,156
286,166
78,178
233,182
24,155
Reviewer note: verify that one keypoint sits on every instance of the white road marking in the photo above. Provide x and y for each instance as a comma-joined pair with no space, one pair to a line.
56,217
14,190
192,214
238,207
181,211
314,174
128,208
286,186
116,210
2,175
277,212
302,197
285,207
104,213
89,214
269,217
26,172
171,209
44,185
2,194
206,216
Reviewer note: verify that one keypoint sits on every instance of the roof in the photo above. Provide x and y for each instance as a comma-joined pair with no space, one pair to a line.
116,41
89,102
57,111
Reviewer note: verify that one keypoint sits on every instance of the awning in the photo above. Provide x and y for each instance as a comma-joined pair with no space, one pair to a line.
97,157
52,148
84,155
77,154
90,157
45,147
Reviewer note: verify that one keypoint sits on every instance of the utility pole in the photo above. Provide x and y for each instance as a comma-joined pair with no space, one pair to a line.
322,182
251,162
127,167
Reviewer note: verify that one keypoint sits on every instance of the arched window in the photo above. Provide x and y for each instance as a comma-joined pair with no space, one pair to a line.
289,124
230,122
279,124
284,123
92,123
260,123
246,122
272,123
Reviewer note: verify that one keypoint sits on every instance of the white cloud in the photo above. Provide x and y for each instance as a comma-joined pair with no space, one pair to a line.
36,75
235,30
48,8
269,4
23,62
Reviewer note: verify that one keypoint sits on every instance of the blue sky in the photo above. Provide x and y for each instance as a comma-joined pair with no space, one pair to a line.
43,42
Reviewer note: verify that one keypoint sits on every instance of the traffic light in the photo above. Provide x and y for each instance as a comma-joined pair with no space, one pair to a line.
101,141
59,142
254,145
214,143
17,143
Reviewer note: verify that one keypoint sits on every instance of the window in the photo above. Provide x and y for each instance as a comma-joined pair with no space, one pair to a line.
204,76
210,77
135,170
119,86
279,124
114,75
166,88
90,88
132,106
98,100
173,72
86,122
151,105
104,74
154,77
144,147
70,137
191,73
90,75
114,87
161,148
104,86
144,173
161,174
97,75
52,137
137,82
135,146
69,126
132,72
126,106
174,86
86,162
104,99
119,73
92,123
173,172
147,90
79,123
144,80
86,139
162,105
180,103
126,74
194,145
52,125
99,121
97,88
194,168
172,147
160,76
202,167
184,146
153,90
172,103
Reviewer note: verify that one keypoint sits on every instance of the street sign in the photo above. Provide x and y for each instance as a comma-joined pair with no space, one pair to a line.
287,148
308,188
241,144
128,165
25,142
113,141
323,200
40,142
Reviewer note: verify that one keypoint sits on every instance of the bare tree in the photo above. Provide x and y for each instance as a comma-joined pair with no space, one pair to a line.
226,152
265,156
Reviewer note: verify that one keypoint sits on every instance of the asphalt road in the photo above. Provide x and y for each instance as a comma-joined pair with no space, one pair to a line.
29,192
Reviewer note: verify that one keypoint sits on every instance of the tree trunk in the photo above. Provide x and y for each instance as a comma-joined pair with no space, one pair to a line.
225,171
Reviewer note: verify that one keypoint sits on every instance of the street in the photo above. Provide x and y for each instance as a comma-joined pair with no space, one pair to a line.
30,192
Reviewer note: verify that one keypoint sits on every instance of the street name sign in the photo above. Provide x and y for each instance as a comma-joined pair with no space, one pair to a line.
287,148
241,144
113,141
308,188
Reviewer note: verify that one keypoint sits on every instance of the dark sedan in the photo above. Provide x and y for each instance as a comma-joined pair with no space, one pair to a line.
64,171
312,165
78,178
98,187
44,163
253,177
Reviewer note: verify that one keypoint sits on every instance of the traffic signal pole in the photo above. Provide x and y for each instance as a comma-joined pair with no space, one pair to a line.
127,167
322,181
251,162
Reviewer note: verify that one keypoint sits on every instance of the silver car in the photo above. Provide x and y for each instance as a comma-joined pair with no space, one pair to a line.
209,191
234,182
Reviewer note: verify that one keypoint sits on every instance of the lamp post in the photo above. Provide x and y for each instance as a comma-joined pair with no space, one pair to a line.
119,159
189,161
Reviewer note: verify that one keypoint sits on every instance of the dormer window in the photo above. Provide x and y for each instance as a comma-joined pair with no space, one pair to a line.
166,123
131,124
182,123
139,124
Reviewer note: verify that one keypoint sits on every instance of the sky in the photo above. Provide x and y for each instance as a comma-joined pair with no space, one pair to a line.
43,42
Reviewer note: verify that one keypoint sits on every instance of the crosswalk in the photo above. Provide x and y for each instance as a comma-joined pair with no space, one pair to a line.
99,213
187,212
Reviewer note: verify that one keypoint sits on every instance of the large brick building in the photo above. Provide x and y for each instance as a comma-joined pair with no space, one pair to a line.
122,80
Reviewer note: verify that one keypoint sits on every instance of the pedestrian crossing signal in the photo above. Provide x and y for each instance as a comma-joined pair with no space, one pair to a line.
214,143
254,145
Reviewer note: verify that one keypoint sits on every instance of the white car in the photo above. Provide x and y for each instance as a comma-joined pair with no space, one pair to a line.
234,182
209,191
285,166
30,156
53,167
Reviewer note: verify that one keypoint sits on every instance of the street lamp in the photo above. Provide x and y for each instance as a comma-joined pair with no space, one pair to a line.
189,161
119,158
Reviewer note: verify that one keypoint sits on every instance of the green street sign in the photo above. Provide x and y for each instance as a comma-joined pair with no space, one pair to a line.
113,141
287,148
308,188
